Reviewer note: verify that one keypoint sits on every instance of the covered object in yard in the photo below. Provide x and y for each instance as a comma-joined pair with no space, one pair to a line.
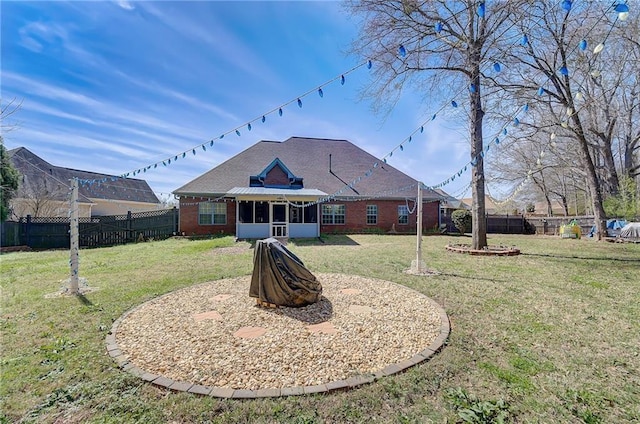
614,226
280,278
631,231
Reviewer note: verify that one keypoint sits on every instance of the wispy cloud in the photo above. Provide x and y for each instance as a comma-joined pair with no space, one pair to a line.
125,4
36,35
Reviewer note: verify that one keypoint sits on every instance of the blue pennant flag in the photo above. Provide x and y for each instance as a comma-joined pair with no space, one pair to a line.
481,10
342,79
453,103
249,126
264,118
497,67
238,133
472,88
369,64
320,93
525,40
621,8
583,45
438,26
564,70
280,111
540,91
402,51
299,103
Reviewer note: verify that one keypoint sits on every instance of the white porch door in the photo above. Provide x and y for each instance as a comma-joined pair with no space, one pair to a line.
279,219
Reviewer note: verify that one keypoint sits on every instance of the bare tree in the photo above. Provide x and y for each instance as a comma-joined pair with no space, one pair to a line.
436,47
551,64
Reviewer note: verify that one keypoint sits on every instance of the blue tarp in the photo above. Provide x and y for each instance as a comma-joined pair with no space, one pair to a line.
613,227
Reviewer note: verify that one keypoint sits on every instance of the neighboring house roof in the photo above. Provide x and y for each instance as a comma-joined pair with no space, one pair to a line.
449,201
39,175
490,206
326,165
540,208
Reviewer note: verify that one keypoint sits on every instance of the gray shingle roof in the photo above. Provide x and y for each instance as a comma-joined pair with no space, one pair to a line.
38,175
309,158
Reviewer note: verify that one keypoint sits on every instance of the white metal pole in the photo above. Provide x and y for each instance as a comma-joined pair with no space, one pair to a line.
74,235
419,231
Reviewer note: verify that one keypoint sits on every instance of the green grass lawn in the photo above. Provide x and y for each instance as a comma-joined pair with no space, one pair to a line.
552,335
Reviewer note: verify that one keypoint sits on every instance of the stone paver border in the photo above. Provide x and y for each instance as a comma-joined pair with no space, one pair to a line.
489,251
225,392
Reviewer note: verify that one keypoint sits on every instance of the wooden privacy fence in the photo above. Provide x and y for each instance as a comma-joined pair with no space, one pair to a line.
498,224
550,225
53,233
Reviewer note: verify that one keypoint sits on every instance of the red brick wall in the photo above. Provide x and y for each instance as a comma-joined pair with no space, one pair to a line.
189,218
356,217
276,177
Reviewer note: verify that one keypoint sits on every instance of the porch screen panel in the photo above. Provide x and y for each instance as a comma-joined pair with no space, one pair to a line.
245,212
311,214
262,212
295,213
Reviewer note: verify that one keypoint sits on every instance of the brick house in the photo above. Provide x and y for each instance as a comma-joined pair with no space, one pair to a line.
301,187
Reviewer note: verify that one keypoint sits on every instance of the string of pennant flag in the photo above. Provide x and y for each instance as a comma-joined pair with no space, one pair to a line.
622,10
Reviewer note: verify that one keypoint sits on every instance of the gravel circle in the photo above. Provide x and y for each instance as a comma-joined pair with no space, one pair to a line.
213,334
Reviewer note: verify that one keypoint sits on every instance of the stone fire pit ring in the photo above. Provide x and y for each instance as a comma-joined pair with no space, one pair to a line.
212,339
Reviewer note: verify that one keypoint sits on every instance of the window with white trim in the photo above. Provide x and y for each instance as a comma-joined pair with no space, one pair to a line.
212,213
333,214
403,214
372,214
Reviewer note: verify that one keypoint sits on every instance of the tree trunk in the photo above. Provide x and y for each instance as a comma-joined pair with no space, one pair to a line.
611,175
478,215
592,181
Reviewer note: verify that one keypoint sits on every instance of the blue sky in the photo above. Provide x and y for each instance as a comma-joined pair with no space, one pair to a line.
113,87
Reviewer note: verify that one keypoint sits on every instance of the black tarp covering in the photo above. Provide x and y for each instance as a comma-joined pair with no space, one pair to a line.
280,278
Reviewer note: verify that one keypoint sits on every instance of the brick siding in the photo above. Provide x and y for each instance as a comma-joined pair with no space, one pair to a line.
276,177
189,219
355,218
